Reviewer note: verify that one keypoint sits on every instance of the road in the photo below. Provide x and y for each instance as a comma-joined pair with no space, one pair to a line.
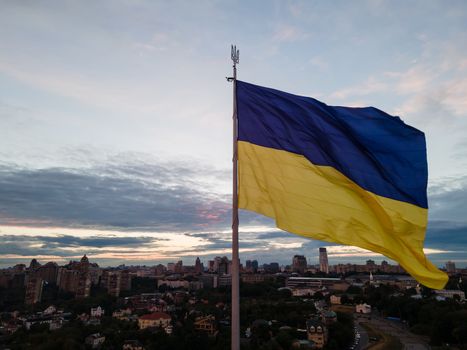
363,343
399,330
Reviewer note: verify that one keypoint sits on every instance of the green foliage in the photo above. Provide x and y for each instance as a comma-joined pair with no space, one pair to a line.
12,298
291,313
442,321
354,290
285,339
141,285
345,299
341,333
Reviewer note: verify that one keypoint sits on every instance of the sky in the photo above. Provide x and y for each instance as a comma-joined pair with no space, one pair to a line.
115,118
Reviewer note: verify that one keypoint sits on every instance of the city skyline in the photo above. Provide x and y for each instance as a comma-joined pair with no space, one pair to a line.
300,262
116,134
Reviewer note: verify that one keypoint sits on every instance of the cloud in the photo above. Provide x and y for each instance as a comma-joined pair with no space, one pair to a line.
83,87
432,86
159,42
275,235
370,86
319,62
414,80
447,199
125,195
66,245
289,33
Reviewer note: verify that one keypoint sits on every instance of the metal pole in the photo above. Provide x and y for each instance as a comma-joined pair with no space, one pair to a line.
235,319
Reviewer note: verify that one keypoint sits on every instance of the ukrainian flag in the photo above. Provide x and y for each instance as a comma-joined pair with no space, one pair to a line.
355,176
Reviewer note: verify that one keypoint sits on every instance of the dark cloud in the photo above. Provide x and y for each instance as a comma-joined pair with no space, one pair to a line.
277,234
215,240
130,195
98,242
447,200
447,236
125,196
64,245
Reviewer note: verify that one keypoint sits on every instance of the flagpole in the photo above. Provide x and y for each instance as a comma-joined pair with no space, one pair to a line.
235,319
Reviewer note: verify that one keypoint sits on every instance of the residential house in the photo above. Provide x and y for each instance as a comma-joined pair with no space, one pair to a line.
317,332
206,324
132,345
95,340
155,319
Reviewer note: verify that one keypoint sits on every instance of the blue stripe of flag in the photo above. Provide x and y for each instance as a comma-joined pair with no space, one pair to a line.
377,151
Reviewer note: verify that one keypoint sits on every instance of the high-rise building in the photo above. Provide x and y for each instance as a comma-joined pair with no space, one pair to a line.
385,266
83,288
299,264
271,268
178,267
211,266
34,265
116,281
217,262
96,272
323,260
19,268
160,270
76,278
66,279
49,272
34,286
223,266
125,280
371,266
450,267
254,265
113,283
198,266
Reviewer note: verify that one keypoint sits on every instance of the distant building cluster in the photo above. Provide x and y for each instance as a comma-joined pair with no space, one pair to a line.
175,287
78,277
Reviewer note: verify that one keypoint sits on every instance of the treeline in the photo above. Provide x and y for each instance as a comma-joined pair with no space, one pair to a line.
444,322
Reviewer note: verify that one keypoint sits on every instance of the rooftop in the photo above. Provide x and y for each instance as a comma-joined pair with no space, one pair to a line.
155,316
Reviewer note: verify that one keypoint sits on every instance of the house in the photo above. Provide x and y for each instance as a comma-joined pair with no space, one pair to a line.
329,317
206,324
132,345
155,319
122,314
94,340
97,312
335,300
317,333
363,308
303,292
54,321
50,310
